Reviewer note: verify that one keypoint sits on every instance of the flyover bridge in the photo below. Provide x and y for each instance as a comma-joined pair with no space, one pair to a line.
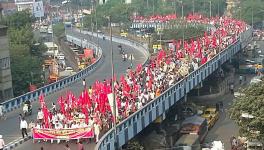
135,123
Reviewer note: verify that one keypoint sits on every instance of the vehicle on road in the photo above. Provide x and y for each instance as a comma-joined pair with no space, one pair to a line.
27,108
43,29
61,56
254,145
195,125
68,69
211,115
188,142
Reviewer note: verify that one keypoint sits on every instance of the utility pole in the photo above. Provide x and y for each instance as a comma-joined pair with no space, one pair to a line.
175,7
153,7
182,9
96,26
193,6
210,9
112,84
252,16
218,8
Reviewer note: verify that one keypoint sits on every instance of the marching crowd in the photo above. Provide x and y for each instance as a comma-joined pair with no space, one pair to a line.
137,87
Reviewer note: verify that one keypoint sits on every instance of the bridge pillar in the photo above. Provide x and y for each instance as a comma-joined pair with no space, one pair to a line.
185,98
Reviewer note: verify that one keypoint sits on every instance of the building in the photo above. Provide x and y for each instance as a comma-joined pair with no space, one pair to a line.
102,2
6,90
231,6
24,4
7,8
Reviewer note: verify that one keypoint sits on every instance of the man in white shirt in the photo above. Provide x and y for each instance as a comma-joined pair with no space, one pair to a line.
1,110
23,127
2,143
40,115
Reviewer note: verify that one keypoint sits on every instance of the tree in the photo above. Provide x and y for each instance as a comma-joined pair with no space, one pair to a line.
25,53
251,103
20,19
58,29
247,7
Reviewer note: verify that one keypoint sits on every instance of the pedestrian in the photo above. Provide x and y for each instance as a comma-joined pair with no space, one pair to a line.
2,143
232,88
2,115
41,148
67,147
80,146
221,105
20,117
240,79
53,109
23,127
96,132
84,83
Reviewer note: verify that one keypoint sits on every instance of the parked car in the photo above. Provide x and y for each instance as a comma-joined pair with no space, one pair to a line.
211,115
61,56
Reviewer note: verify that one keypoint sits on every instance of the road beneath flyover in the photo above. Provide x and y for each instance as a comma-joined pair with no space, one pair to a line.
10,127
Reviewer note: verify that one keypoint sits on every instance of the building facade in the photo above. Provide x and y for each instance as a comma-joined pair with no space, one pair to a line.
6,90
24,4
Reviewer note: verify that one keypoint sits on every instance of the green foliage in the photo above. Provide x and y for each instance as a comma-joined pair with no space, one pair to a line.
244,11
58,29
252,103
26,56
121,12
19,19
189,33
134,145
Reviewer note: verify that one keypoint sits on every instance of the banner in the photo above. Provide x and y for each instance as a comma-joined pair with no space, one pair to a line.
38,10
63,134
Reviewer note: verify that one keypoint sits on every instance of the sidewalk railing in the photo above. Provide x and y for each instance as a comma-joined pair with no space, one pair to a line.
136,122
16,102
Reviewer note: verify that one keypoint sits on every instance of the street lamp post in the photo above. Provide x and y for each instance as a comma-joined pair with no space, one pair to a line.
193,6
218,8
210,9
182,8
96,24
252,16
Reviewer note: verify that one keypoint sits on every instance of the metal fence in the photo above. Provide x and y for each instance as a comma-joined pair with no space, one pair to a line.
132,125
16,102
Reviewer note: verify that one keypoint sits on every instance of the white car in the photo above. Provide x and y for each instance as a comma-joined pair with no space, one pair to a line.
69,69
61,56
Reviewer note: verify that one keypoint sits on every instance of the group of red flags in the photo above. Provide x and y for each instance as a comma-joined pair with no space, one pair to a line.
97,100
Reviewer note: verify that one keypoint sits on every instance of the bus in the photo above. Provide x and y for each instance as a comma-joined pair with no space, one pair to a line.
53,49
195,125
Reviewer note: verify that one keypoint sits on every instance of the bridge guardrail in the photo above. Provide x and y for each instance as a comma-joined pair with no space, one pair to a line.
16,102
132,125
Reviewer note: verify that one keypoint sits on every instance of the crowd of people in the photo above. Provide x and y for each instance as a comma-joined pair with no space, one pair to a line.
137,87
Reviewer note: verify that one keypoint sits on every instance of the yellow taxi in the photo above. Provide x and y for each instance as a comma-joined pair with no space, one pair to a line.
123,34
211,115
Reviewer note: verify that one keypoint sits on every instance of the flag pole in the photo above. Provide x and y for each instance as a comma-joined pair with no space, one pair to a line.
112,83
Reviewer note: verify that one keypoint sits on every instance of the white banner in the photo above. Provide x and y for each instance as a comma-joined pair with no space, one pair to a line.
38,9
111,102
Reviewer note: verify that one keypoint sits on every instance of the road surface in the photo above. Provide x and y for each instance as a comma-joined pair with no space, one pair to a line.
10,127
